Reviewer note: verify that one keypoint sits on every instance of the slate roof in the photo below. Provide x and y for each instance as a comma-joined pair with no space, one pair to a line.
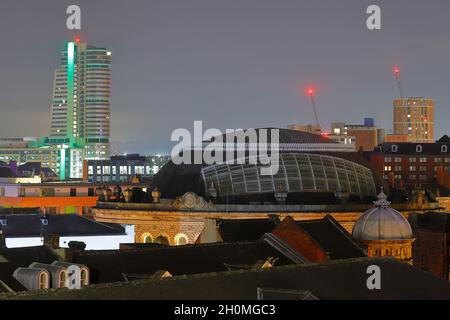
232,230
13,258
29,225
6,172
6,272
338,279
288,136
23,257
327,232
332,237
444,139
108,266
410,148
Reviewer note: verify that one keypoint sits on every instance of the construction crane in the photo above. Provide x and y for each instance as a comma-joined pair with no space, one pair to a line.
396,71
310,93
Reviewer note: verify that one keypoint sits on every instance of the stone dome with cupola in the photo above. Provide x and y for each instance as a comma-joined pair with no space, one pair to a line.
384,231
382,223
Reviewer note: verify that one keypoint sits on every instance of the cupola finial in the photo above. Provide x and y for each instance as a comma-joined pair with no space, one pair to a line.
382,200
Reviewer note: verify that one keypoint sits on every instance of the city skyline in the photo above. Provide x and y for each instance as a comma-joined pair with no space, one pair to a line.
214,150
162,81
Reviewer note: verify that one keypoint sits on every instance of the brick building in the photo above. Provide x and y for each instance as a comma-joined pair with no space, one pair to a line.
411,165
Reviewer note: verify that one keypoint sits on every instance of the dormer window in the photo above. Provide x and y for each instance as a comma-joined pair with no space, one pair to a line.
419,148
43,280
84,277
444,148
62,279
394,148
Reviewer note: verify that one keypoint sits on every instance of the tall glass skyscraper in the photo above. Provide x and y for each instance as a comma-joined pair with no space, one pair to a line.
81,106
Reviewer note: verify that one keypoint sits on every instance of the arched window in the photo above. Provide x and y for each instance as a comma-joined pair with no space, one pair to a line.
419,148
181,239
84,277
444,148
162,240
147,238
43,280
62,279
394,148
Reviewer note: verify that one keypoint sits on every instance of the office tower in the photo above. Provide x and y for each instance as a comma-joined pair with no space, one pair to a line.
413,120
81,104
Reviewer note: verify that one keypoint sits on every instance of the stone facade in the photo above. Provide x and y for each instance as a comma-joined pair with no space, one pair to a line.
172,230
150,224
399,249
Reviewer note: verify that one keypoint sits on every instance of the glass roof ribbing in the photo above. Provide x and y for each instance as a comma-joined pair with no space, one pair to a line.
298,172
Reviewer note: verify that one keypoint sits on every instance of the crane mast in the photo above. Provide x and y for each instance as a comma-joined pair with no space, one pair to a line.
310,93
396,71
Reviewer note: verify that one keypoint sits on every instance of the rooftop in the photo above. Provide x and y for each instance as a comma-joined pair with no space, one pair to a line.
328,234
286,136
338,279
30,225
109,266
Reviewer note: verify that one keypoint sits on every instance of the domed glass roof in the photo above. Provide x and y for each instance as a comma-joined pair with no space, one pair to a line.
382,223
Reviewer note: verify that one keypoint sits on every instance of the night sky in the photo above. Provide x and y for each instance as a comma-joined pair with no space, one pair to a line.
230,63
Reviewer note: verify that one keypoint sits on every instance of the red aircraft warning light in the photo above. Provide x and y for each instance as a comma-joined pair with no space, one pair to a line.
396,70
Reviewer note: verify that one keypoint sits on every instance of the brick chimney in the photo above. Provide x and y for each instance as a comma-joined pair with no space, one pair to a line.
51,240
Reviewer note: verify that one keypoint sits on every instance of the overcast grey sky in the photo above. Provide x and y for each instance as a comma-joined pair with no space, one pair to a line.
230,63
